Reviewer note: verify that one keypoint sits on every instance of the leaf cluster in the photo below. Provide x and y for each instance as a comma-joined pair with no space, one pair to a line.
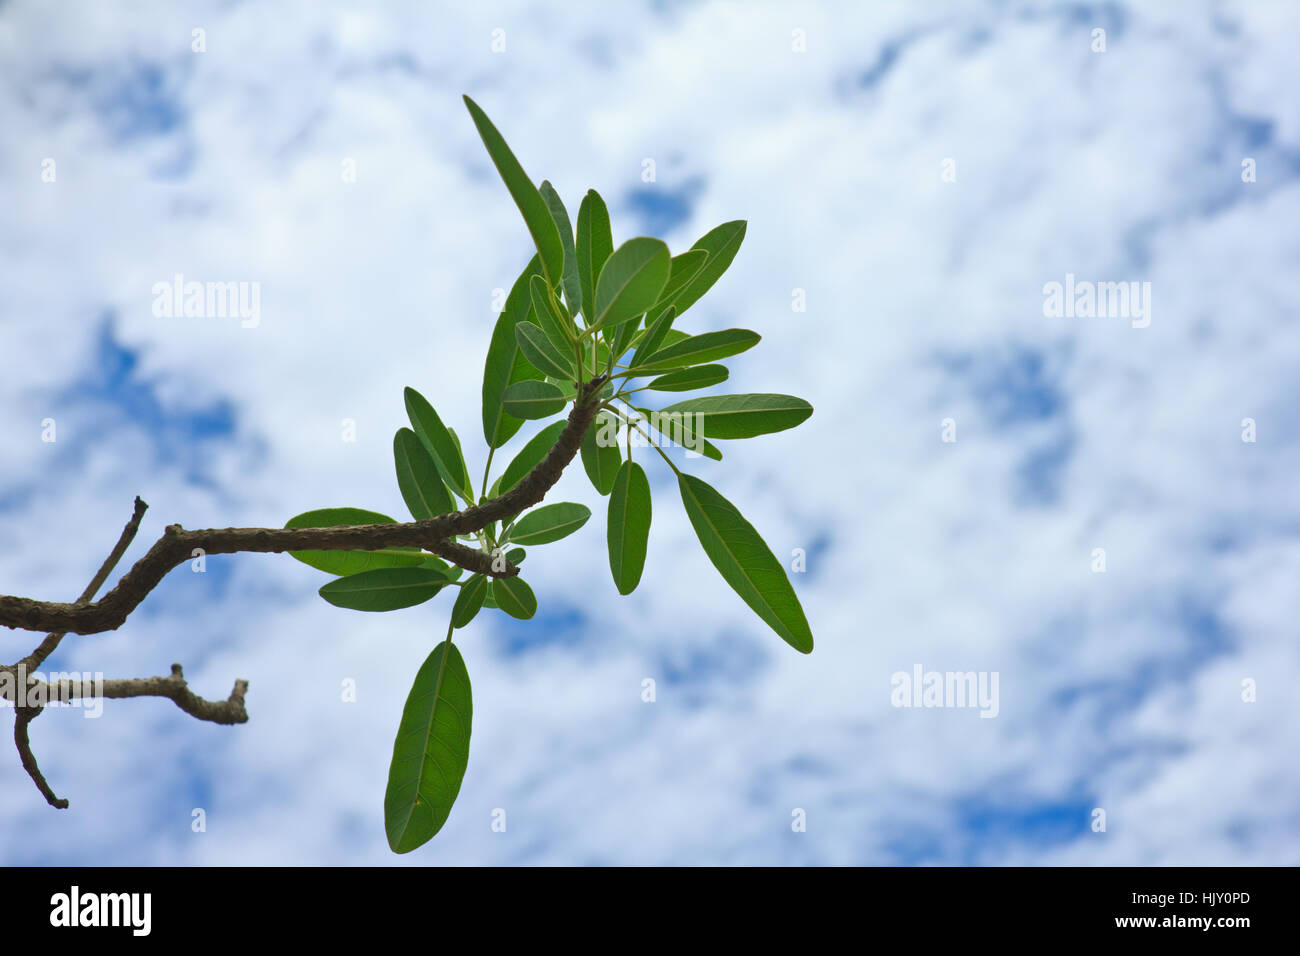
581,311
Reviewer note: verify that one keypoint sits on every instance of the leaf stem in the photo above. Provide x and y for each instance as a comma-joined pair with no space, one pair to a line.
649,440
486,469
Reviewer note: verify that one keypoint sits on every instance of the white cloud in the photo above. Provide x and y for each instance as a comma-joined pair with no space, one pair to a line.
1119,691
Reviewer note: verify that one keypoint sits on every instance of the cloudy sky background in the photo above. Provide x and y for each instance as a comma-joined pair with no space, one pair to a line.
1120,691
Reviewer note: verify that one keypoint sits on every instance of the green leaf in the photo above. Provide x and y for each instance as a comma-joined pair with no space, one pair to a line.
595,244
452,571
436,438
464,468
549,316
628,528
623,337
686,379
567,388
417,477
671,337
744,416
631,281
697,349
537,216
430,752
533,399
656,332
572,286
550,523
505,363
516,555
385,589
529,457
685,267
515,597
469,601
351,562
745,561
601,462
537,348
721,244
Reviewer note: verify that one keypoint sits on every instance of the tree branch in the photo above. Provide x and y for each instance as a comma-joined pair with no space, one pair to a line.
178,545
173,687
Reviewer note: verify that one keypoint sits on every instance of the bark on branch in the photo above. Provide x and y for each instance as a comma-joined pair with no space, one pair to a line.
22,717
434,534
173,687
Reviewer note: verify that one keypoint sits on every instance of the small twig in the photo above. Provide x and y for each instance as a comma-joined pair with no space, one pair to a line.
47,647
22,717
173,687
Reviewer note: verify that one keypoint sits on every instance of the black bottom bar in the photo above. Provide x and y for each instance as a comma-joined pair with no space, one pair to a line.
335,906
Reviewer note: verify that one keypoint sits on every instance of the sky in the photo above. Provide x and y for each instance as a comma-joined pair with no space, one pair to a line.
914,177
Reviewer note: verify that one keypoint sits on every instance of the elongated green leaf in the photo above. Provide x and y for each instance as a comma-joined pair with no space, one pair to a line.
642,344
628,528
516,555
656,333
417,477
600,455
623,336
595,244
529,457
385,589
438,440
686,379
537,216
514,596
537,348
685,267
631,281
505,364
351,562
745,561
465,481
572,285
533,399
722,244
469,601
453,573
744,416
550,523
548,315
430,752
697,349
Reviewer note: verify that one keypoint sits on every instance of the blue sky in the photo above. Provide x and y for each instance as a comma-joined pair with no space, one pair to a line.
828,127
